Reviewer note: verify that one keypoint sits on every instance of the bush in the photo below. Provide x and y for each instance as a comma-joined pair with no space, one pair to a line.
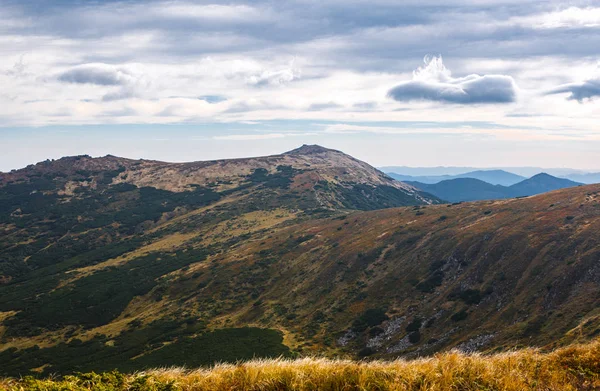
434,280
468,296
365,352
415,325
414,337
460,315
371,317
375,331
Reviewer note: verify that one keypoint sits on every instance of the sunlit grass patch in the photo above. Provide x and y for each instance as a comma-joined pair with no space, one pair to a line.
572,368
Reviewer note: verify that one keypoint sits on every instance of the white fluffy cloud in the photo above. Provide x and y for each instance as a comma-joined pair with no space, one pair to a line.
276,77
434,82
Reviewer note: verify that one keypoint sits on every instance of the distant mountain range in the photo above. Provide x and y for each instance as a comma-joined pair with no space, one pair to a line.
495,176
471,189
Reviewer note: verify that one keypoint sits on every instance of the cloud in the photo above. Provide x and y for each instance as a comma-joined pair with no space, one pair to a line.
266,136
434,82
120,94
572,17
324,106
275,77
580,91
98,74
211,12
243,106
213,98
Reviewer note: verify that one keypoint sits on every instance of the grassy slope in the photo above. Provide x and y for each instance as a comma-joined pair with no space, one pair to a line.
522,272
89,255
572,368
487,275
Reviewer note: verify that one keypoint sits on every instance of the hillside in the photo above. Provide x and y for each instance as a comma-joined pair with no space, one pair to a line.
99,273
463,189
468,189
493,177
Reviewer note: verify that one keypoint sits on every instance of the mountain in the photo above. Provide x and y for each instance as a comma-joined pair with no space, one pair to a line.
468,189
494,177
311,176
463,189
524,172
587,178
540,183
116,263
427,171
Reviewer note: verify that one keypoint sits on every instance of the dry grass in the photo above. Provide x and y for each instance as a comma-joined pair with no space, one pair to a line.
573,368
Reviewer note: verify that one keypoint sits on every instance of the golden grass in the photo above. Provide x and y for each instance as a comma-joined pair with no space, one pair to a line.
572,368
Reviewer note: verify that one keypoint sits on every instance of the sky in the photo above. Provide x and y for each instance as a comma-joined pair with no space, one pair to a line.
482,83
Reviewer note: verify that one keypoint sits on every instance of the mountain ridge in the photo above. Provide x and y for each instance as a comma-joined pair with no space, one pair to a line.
493,177
471,189
309,163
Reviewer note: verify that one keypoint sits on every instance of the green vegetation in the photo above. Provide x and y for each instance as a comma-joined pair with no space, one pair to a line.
367,197
281,179
371,317
468,296
183,343
99,298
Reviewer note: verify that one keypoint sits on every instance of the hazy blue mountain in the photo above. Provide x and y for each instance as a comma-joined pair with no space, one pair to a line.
463,189
494,177
428,171
588,178
470,189
525,172
540,183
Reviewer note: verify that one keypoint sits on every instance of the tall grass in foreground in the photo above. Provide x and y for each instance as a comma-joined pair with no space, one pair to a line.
572,368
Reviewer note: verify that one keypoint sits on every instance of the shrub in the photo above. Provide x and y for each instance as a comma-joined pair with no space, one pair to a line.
375,331
415,325
365,352
371,317
414,337
460,315
468,296
433,281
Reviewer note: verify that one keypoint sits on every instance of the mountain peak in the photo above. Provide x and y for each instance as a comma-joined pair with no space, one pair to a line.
543,175
313,149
